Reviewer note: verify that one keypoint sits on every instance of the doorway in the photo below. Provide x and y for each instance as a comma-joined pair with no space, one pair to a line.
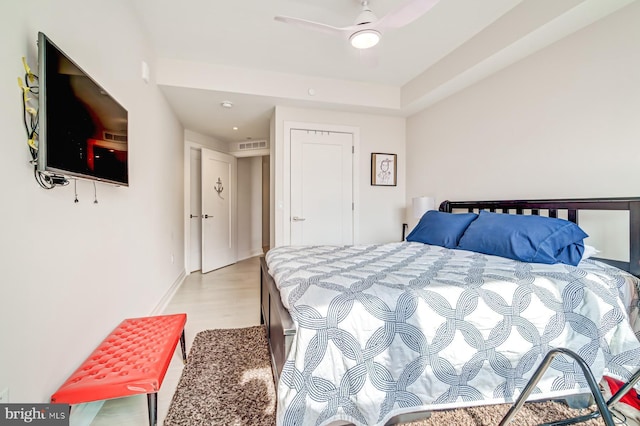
246,236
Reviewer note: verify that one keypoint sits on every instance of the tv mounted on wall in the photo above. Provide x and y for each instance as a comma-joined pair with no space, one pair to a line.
83,130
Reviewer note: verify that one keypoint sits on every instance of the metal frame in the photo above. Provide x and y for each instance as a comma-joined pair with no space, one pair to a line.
603,409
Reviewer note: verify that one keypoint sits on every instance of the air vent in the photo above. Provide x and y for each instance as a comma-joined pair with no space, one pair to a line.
114,137
243,146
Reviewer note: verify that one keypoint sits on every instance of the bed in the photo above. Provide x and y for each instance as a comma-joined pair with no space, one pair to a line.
370,334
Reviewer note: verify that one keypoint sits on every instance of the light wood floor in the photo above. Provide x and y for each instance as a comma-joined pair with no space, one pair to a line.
226,298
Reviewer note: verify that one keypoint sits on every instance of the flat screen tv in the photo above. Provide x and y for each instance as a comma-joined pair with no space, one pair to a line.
82,130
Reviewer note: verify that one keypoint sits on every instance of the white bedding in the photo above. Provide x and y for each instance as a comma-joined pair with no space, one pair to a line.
386,329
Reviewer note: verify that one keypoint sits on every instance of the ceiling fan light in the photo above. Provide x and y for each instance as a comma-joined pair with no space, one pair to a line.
364,39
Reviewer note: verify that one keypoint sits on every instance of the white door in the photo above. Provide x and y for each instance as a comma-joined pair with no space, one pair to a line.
321,187
219,180
195,225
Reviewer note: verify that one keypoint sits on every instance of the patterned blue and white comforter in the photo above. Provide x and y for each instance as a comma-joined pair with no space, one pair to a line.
395,328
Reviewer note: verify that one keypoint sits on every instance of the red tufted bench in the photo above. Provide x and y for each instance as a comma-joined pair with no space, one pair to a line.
133,359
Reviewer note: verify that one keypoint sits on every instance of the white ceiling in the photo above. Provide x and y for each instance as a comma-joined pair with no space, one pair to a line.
455,44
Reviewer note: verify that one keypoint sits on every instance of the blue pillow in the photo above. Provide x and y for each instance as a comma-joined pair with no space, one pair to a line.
441,229
535,239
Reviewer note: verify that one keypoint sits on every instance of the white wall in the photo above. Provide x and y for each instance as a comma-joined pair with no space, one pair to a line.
207,141
72,272
381,209
249,207
564,122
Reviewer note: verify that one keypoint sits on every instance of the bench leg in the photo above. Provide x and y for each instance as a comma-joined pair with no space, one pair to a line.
183,346
152,401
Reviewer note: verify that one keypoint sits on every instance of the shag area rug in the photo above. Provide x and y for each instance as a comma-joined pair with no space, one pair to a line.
228,381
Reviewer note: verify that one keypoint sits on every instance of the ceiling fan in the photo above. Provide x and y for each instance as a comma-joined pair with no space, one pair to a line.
368,29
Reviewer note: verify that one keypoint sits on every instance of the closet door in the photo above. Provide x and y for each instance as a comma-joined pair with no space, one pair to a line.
321,187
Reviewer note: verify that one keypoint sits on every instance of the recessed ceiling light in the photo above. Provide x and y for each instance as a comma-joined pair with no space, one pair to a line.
226,104
235,127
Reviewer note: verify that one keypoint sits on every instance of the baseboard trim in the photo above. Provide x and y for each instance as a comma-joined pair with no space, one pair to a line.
257,252
84,414
249,254
161,306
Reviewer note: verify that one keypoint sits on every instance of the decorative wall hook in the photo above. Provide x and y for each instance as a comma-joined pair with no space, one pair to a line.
218,187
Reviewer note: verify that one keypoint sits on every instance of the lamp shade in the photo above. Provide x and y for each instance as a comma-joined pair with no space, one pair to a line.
421,205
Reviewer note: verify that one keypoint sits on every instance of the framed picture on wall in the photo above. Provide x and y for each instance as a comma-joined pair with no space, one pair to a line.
383,169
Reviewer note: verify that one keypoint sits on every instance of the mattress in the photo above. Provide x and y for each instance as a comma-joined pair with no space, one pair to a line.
387,329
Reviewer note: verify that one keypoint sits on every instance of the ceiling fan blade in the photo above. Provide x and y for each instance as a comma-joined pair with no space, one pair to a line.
405,14
316,26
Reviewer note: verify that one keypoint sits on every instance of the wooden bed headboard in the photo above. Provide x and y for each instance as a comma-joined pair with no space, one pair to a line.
572,208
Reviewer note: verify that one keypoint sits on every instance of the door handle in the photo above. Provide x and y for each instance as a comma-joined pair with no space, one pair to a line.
298,219
191,216
206,216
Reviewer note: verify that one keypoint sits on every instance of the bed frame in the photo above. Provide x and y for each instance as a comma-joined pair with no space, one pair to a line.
280,326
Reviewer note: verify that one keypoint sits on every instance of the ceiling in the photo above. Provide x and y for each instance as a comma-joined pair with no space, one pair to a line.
455,44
